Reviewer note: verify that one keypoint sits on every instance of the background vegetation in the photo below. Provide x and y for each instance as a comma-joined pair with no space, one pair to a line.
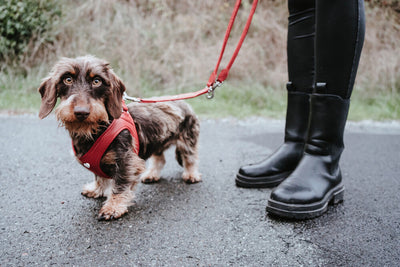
164,47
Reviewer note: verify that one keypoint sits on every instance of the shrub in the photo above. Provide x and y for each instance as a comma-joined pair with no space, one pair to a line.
24,22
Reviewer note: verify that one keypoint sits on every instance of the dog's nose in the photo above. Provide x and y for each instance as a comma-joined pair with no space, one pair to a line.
81,113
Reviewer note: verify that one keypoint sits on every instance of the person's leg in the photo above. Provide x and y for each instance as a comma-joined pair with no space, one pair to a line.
339,41
317,180
300,45
300,53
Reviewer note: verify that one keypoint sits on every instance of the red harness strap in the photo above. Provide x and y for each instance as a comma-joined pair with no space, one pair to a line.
91,160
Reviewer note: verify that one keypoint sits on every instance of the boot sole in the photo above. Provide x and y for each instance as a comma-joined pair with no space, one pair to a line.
306,211
260,182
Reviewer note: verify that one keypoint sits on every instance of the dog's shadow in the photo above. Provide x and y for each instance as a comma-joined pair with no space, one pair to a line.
168,188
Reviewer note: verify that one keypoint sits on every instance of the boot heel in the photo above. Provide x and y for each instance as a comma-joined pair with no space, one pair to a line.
337,197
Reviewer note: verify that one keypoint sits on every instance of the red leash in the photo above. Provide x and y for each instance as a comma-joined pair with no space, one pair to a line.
224,73
91,160
214,81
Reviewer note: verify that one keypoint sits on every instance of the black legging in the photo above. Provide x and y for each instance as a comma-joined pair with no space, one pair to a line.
325,39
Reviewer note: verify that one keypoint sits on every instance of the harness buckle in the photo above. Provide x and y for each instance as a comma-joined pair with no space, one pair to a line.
211,89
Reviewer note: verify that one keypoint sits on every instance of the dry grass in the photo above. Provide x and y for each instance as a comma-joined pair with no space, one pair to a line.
167,46
380,62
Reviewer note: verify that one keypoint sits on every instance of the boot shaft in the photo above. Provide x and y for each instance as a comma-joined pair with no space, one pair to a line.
327,124
297,115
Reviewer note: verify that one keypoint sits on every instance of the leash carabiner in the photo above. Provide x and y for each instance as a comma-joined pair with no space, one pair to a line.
211,89
129,98
215,80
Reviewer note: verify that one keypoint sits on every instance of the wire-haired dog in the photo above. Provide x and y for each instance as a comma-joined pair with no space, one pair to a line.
90,99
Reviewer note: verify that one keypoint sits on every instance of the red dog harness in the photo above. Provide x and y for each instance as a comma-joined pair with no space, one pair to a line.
91,160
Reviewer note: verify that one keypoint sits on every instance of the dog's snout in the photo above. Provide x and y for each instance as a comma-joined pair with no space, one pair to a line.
81,112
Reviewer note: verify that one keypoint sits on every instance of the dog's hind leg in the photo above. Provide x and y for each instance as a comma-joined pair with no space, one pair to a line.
152,173
189,158
187,149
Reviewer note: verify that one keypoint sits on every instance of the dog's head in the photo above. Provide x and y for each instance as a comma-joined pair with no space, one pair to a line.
89,92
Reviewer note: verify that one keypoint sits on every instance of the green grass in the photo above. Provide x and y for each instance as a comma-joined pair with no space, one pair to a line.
378,107
18,94
241,102
154,45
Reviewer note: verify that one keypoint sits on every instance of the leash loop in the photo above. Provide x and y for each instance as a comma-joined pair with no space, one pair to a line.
224,73
215,80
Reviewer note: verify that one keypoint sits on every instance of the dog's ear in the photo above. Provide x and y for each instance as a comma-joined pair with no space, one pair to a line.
49,97
114,101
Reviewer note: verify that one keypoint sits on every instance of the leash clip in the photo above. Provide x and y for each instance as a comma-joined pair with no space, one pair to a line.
211,89
129,98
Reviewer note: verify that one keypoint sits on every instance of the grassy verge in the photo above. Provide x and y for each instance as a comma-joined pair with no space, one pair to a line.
18,94
241,102
165,44
379,107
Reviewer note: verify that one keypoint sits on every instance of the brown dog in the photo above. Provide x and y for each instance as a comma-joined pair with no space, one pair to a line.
90,99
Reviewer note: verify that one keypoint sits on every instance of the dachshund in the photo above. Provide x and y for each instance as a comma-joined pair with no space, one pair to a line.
91,98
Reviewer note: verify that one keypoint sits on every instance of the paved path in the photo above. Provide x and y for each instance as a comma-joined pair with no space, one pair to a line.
45,221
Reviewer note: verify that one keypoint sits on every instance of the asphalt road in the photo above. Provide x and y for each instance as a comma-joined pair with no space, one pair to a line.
45,221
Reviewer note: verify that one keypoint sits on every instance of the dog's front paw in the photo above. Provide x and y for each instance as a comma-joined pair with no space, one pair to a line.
115,206
92,190
109,212
191,178
147,179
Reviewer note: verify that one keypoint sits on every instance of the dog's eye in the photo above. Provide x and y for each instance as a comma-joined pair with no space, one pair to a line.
68,80
96,82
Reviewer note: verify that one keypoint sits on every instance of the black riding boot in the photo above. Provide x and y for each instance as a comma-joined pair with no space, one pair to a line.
284,160
317,180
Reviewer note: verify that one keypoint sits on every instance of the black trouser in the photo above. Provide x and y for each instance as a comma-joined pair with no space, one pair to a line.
324,44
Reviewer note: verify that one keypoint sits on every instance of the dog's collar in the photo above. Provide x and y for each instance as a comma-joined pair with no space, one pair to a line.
91,160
